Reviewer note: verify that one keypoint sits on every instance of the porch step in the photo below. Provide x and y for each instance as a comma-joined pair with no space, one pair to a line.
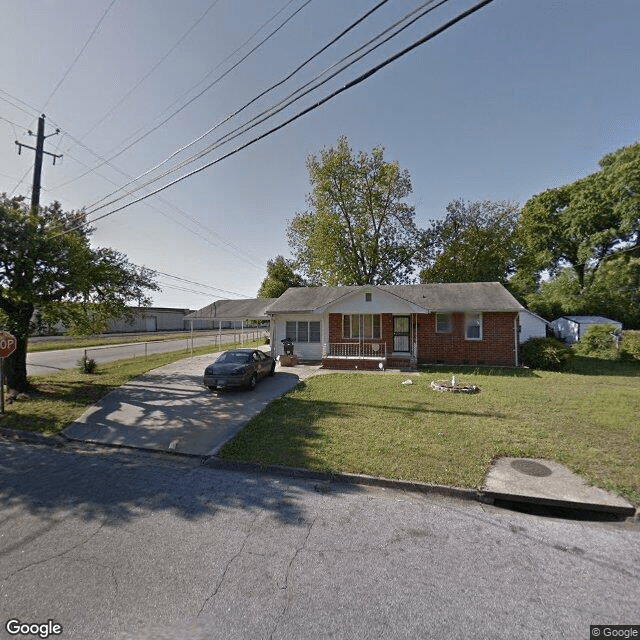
405,367
403,364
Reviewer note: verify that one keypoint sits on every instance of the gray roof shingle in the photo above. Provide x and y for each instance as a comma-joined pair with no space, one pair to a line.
441,297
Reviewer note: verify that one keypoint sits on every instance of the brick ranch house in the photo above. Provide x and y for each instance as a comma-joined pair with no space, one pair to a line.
398,326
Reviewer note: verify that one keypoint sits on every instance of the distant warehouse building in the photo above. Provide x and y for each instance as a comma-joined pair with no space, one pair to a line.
149,319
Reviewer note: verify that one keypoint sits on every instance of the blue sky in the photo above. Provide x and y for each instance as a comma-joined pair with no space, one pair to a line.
517,98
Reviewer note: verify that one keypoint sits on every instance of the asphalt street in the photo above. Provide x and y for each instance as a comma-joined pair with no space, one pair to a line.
115,544
43,362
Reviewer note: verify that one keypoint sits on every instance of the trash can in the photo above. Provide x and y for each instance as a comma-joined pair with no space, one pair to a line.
287,344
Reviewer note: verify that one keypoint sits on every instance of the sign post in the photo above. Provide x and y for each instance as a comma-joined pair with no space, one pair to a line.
7,347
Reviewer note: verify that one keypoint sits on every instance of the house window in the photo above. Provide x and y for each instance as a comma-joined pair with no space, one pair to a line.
367,296
363,325
443,323
473,326
314,331
303,331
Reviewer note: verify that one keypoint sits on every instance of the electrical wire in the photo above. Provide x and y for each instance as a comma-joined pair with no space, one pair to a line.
409,19
199,95
222,242
193,282
151,70
358,80
256,98
84,46
26,173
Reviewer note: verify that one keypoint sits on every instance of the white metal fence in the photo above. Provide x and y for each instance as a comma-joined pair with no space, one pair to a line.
357,350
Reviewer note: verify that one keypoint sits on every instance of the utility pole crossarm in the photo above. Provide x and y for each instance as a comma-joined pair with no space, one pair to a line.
40,152
53,155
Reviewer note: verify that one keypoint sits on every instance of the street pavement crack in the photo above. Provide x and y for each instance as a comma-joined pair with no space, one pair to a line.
287,573
214,593
55,555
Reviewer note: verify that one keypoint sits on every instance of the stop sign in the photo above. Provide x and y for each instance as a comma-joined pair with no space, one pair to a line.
7,344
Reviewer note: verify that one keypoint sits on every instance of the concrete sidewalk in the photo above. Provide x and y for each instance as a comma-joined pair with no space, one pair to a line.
169,409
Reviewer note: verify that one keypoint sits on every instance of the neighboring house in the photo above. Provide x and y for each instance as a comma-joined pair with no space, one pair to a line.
398,326
532,326
572,328
229,314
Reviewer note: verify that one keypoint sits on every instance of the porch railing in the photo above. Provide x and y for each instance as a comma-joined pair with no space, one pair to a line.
356,350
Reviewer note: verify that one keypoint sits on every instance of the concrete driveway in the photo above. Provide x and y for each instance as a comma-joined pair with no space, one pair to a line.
169,409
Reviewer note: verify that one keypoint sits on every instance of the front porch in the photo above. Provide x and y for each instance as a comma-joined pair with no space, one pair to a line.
365,356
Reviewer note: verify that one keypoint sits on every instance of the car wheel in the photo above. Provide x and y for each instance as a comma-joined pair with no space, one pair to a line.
273,368
253,381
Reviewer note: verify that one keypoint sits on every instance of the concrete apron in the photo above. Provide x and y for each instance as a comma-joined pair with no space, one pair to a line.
548,483
169,409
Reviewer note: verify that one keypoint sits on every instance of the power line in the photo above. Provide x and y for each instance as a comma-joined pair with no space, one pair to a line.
256,98
221,241
15,106
151,70
26,173
280,106
196,97
358,80
198,284
84,46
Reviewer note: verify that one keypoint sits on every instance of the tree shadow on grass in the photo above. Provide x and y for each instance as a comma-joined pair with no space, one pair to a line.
33,414
584,366
290,431
470,370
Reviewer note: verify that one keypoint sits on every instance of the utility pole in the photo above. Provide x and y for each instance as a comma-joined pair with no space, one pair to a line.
37,167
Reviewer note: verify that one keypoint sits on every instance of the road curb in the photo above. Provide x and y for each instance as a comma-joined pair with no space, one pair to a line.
130,447
214,462
342,478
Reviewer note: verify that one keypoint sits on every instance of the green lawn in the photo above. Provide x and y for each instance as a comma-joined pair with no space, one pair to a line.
588,420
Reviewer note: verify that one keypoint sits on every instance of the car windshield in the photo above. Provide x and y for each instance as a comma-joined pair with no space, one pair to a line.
239,357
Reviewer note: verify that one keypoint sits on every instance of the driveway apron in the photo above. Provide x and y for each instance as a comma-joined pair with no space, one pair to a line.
169,409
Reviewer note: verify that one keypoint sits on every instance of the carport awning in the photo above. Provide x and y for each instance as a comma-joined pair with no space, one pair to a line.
234,310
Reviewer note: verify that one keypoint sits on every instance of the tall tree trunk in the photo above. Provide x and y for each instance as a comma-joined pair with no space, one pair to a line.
15,367
16,364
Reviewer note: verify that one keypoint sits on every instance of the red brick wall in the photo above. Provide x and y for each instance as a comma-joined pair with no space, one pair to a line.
495,348
386,328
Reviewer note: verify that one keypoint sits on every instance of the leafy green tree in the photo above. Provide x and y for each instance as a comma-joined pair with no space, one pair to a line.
474,242
280,276
582,224
47,264
358,228
598,342
614,292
